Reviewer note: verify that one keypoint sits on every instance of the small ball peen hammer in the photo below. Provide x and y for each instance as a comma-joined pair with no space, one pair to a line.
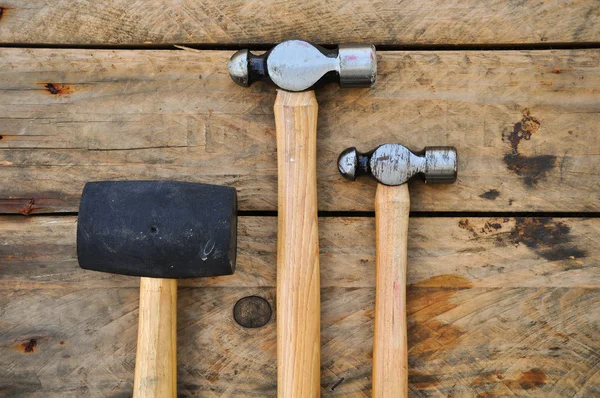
392,166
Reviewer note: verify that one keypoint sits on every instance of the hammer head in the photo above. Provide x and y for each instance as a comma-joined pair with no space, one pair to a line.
296,65
394,164
160,229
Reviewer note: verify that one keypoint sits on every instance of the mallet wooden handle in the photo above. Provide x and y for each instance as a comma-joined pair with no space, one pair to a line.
298,278
390,351
156,360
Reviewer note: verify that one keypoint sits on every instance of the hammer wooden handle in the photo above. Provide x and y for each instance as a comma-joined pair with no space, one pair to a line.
390,351
156,358
298,278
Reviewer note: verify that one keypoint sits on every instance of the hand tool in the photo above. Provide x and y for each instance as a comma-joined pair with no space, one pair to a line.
392,165
299,66
161,231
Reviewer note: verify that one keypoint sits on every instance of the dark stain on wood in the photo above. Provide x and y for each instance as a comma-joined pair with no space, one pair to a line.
58,89
548,238
523,130
464,224
252,312
490,227
495,225
492,194
532,168
28,347
534,378
28,208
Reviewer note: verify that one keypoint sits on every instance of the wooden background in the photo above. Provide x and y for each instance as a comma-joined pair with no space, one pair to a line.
504,273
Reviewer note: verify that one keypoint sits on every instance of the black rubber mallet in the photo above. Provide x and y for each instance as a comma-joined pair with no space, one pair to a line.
161,231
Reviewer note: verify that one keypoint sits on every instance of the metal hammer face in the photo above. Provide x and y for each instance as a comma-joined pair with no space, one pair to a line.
160,229
394,164
296,65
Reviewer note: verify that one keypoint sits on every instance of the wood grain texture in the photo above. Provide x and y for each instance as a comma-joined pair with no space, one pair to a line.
40,253
390,347
298,288
263,21
525,124
156,354
502,342
495,306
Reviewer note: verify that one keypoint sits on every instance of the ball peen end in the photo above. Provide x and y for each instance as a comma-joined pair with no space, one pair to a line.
238,68
348,163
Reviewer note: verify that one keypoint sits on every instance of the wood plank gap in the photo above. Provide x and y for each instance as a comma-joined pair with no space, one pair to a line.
450,214
369,214
264,47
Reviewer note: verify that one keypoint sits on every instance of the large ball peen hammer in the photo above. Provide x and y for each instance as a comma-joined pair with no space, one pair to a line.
295,67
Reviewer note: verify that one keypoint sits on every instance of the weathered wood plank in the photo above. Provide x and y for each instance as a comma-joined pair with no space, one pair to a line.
496,306
40,253
264,21
463,341
525,124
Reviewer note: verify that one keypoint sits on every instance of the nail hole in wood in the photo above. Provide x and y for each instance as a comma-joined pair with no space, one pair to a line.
252,312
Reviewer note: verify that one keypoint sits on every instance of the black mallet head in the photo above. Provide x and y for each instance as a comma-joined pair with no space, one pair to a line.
160,229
